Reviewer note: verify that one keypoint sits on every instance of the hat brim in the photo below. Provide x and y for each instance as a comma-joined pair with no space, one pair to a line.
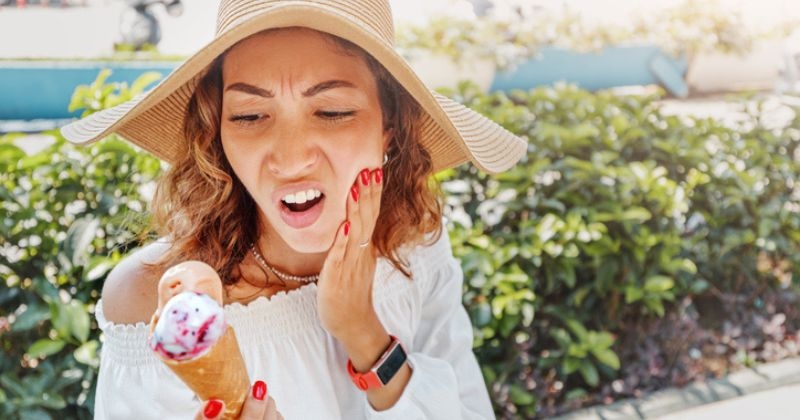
452,133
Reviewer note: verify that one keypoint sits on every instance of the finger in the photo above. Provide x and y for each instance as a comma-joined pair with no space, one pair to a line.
355,208
338,249
370,205
272,411
373,202
211,410
256,404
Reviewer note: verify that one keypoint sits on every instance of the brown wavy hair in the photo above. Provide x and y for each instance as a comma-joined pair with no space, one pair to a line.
205,212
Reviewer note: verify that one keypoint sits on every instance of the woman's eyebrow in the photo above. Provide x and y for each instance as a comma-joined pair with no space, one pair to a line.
327,85
313,90
250,89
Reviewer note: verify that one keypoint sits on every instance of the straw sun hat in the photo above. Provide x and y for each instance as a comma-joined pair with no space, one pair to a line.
452,133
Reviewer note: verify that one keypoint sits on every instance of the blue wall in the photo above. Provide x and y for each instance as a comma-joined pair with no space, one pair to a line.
31,90
42,90
609,67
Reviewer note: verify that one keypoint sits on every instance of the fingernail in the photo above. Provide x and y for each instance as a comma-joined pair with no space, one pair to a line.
346,228
365,177
378,175
213,407
354,192
259,390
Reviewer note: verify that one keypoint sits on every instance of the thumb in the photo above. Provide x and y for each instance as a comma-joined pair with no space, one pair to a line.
211,410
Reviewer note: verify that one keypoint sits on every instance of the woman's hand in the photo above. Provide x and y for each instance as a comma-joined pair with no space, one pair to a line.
257,406
344,295
344,292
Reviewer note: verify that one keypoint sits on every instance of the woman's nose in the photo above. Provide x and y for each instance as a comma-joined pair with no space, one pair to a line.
293,153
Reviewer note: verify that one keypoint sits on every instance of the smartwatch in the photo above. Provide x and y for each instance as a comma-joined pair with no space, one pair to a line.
383,370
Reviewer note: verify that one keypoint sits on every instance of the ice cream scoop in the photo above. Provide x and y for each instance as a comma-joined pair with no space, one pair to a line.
190,323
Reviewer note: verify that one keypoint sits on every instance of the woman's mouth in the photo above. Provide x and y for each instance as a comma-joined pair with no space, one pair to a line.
302,200
303,208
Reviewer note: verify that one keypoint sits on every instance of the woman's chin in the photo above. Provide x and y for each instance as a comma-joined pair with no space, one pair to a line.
309,243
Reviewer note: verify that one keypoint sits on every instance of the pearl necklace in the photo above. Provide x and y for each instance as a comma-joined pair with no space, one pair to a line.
280,274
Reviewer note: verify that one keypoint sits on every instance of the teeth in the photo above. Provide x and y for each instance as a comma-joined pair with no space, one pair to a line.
301,197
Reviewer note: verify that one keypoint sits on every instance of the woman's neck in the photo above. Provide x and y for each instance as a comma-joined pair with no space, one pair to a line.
281,256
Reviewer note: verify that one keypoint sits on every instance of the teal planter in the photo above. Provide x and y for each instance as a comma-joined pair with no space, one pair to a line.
610,67
32,90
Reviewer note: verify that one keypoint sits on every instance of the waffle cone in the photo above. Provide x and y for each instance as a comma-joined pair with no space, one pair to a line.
219,373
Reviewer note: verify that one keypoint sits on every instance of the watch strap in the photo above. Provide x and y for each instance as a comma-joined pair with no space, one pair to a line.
383,370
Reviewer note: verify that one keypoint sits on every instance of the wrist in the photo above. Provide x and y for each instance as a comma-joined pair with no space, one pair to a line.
389,365
366,348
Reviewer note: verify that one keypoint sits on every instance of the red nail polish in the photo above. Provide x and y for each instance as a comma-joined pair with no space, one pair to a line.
378,175
365,177
354,192
346,228
213,407
260,390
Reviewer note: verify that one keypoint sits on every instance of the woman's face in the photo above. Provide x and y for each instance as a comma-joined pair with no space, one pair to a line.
300,118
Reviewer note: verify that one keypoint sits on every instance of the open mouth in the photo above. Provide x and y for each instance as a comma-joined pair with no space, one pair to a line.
302,201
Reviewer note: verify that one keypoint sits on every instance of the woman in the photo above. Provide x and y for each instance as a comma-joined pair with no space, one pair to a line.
301,147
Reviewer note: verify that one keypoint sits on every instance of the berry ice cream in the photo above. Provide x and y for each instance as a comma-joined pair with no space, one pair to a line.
190,323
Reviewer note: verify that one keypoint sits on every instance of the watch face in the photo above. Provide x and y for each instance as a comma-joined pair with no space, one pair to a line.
393,362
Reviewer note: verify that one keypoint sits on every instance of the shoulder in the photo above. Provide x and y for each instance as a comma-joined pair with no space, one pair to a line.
130,292
432,255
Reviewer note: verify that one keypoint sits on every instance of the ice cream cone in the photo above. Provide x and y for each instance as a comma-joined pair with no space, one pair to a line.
193,339
220,374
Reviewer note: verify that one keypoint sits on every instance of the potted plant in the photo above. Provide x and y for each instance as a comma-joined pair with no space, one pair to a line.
448,50
533,45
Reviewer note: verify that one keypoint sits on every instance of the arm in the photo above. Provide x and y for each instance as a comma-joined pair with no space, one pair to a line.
446,381
132,382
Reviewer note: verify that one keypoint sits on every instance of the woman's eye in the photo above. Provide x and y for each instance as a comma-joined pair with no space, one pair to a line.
245,119
335,115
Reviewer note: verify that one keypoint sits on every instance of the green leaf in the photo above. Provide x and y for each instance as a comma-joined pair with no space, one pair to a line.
520,396
607,357
589,373
637,214
480,242
87,353
655,305
50,400
45,347
633,294
59,317
571,364
577,328
658,284
13,386
98,268
79,239
35,413
31,318
143,81
79,320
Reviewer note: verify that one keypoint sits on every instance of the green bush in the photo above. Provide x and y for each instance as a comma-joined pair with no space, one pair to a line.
618,211
69,214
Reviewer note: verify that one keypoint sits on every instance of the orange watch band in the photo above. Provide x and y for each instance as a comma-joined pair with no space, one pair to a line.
383,370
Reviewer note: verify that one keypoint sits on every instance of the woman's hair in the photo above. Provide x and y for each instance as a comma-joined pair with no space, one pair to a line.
206,213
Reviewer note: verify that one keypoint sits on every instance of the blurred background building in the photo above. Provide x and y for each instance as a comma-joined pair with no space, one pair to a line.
688,47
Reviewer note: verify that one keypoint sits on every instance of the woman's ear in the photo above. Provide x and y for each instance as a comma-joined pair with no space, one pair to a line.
388,133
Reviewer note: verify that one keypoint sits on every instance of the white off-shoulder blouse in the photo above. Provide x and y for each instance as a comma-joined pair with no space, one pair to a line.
304,367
